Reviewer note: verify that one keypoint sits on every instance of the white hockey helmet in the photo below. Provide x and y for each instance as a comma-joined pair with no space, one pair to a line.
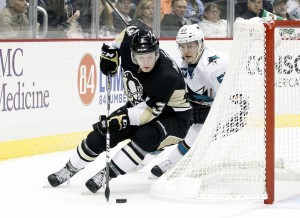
190,33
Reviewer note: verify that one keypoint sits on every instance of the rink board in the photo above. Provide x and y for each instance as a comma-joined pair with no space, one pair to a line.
52,92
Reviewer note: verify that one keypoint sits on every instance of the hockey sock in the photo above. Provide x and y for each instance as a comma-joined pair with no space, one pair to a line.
127,159
82,156
178,153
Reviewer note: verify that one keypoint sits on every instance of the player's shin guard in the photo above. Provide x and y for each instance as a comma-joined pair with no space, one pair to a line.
179,152
82,156
126,160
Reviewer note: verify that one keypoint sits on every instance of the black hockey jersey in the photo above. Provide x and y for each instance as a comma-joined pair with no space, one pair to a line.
162,90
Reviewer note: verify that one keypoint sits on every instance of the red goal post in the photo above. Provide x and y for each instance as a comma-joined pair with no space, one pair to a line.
254,122
294,35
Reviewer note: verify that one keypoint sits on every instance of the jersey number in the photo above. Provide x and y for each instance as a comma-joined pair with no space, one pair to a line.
158,109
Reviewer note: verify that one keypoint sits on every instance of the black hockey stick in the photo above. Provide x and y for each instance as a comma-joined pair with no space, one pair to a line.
125,22
107,190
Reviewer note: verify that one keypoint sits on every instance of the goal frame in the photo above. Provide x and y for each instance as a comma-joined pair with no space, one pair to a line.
270,103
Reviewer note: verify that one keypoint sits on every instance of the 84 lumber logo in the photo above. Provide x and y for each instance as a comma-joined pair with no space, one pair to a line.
87,79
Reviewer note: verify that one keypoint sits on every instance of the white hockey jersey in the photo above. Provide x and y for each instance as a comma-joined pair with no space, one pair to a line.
203,80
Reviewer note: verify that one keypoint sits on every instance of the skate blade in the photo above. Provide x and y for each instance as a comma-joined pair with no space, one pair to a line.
152,177
86,192
50,186
89,193
47,186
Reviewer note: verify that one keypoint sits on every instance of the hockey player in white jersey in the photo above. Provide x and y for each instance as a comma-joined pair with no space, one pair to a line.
203,69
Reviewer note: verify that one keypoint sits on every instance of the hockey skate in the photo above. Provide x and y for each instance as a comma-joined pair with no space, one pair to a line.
160,169
97,181
63,175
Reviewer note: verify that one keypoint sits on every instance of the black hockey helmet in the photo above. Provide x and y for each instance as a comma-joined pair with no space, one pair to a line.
144,42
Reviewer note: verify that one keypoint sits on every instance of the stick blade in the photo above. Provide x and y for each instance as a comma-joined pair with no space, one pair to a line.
107,193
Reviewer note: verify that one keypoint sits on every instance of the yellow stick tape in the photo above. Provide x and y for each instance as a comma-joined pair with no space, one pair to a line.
46,144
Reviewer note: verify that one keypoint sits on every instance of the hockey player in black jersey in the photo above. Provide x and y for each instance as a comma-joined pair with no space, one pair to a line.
156,115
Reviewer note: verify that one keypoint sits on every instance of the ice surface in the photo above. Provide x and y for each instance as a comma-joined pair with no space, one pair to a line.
22,195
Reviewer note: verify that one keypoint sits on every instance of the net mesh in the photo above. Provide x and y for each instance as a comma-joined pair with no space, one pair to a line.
228,157
287,100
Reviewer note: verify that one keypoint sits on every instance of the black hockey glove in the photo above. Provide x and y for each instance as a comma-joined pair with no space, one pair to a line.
118,120
101,126
200,113
109,60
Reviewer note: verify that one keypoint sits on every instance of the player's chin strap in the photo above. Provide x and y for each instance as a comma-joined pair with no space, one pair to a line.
200,52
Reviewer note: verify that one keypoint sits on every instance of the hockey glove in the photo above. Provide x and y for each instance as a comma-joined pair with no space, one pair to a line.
109,60
200,113
118,120
101,126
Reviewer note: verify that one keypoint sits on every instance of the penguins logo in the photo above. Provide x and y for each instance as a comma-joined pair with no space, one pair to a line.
133,88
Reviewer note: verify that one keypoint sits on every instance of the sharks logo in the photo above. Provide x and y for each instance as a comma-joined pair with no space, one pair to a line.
132,88
194,96
213,59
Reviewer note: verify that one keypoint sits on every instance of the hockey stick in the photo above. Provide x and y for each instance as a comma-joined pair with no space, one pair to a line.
125,22
107,190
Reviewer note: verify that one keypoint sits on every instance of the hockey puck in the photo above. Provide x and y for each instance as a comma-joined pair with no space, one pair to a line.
121,200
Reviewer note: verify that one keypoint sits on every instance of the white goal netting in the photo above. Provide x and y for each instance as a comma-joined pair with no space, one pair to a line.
228,158
287,102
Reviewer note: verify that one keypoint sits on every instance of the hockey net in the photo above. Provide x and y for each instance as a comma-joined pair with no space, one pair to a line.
234,154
